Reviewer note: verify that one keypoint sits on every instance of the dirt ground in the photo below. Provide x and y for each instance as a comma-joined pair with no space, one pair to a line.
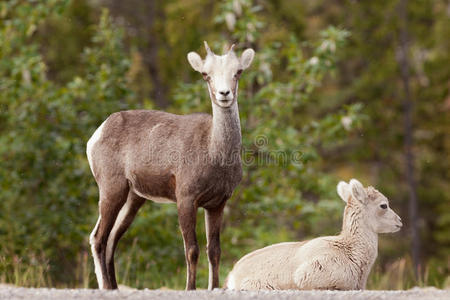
8,292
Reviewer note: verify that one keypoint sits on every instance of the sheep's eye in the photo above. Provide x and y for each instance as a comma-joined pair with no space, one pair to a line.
205,76
383,206
238,73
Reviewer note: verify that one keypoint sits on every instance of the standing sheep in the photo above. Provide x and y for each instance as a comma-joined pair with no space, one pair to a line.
191,160
341,262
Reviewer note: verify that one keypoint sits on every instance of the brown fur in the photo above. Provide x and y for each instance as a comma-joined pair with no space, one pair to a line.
163,155
192,160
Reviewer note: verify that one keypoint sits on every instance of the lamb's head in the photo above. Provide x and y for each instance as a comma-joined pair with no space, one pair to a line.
221,72
372,204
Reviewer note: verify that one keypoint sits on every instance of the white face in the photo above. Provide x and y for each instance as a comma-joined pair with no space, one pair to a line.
377,213
221,73
380,216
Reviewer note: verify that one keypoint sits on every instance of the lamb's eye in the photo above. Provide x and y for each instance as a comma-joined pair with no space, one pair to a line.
383,206
238,73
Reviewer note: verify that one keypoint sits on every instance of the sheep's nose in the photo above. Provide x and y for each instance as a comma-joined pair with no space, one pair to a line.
224,93
400,221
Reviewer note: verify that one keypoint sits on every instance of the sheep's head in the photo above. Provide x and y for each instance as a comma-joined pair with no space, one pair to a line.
221,72
373,205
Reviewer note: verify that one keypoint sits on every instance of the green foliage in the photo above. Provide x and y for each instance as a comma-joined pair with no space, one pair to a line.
317,105
47,199
372,76
282,137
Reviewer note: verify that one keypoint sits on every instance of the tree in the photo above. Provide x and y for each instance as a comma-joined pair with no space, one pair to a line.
65,66
408,139
47,193
372,72
284,133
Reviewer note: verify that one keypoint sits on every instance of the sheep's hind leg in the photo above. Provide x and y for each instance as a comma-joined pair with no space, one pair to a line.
123,221
112,198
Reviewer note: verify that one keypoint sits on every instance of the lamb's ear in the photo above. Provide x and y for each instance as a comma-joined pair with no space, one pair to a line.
358,191
196,61
343,191
247,58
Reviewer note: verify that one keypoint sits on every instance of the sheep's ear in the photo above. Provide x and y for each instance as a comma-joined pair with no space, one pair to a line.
247,58
358,191
343,191
196,61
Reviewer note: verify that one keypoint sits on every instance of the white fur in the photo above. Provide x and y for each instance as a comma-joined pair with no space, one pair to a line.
112,235
357,190
231,284
343,191
90,144
221,72
333,262
153,198
247,58
196,61
98,270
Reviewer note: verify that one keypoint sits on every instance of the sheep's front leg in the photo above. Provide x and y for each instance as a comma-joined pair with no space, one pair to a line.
313,275
324,274
187,217
363,282
213,222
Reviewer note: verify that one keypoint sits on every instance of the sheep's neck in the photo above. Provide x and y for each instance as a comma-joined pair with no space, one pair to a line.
226,132
360,239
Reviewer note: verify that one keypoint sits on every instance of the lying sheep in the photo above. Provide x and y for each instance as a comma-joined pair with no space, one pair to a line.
341,262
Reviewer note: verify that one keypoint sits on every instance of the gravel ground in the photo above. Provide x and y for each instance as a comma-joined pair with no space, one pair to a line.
219,294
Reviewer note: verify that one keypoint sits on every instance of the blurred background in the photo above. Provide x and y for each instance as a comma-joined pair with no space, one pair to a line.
338,90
